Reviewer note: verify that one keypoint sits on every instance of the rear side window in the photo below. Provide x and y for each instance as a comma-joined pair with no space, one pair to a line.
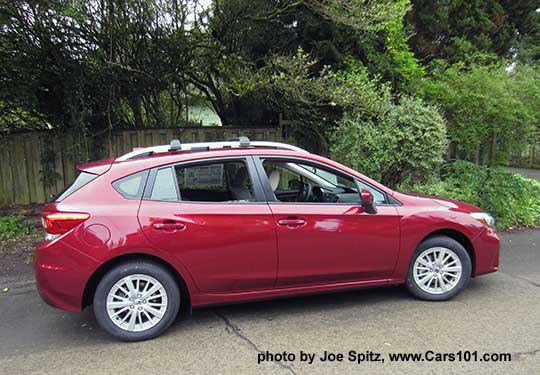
224,181
82,179
227,181
164,186
132,186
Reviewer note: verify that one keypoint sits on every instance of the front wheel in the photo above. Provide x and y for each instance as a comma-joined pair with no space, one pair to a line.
440,268
136,300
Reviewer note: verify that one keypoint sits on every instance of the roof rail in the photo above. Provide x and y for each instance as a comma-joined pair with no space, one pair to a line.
175,145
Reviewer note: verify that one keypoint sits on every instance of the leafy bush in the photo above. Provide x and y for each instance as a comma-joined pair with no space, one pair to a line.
14,226
511,198
403,142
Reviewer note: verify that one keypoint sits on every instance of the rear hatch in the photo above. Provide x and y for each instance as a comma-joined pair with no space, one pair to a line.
57,222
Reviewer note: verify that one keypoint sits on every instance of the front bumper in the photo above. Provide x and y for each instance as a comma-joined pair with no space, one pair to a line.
486,246
62,274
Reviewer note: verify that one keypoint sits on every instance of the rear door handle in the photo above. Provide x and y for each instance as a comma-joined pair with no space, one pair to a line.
169,226
291,222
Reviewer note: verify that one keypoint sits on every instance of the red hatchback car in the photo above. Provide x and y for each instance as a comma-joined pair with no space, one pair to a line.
210,223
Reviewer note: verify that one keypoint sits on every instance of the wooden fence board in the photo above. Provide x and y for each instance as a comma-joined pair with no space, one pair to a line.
22,155
18,163
6,183
31,149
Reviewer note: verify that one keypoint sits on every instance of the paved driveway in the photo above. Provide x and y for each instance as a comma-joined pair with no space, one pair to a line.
498,313
525,172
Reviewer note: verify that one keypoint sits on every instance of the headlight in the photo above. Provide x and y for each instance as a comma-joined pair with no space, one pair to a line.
484,218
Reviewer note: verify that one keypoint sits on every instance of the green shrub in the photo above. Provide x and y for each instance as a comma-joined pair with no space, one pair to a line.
404,142
511,198
12,227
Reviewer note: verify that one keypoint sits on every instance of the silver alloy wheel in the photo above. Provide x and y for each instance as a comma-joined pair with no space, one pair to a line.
137,303
437,270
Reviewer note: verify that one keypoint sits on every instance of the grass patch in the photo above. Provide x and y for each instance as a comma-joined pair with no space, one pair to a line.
14,226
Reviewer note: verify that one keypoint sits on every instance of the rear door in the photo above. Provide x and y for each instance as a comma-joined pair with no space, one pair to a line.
213,217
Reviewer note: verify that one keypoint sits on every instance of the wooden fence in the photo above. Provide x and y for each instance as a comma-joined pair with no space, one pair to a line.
36,165
529,155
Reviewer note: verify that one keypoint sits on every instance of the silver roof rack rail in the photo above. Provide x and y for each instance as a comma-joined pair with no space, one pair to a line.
175,145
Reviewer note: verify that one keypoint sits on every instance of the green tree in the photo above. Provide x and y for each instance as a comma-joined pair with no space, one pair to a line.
453,29
237,38
488,109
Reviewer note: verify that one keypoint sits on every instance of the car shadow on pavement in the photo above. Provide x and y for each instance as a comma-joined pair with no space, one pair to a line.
267,309
45,326
370,301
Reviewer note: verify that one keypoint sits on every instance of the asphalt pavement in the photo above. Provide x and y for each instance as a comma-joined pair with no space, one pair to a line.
498,313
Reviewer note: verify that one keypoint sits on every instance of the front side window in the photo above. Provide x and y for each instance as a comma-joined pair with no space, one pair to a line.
223,181
298,182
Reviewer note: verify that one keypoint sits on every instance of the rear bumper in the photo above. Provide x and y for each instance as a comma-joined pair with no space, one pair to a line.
61,274
486,246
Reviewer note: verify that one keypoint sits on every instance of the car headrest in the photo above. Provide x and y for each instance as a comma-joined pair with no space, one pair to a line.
274,178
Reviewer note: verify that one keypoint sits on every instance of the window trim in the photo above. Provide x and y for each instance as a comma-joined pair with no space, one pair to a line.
270,197
259,196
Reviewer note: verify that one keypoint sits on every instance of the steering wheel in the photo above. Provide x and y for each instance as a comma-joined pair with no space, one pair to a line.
304,195
317,194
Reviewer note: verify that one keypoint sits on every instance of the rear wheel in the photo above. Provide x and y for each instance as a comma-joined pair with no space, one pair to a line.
440,268
136,300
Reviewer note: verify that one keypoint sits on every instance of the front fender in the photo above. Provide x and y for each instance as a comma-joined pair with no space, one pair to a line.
416,226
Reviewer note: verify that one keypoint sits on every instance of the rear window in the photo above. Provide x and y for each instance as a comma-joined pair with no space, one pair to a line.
82,179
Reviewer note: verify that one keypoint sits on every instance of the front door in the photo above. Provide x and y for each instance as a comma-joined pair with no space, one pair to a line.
211,217
324,235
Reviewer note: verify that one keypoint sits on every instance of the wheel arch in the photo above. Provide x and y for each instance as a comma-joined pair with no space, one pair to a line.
461,238
98,274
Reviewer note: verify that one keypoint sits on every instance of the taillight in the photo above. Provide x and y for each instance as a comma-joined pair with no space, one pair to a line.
61,222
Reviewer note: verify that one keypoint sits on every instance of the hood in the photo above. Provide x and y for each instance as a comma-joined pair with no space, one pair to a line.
445,202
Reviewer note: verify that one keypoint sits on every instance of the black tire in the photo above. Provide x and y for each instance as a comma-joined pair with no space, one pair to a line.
122,270
451,245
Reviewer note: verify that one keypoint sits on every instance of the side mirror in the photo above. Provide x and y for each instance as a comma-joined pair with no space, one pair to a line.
367,201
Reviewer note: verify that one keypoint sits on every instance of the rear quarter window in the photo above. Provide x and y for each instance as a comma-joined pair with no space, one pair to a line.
82,179
132,186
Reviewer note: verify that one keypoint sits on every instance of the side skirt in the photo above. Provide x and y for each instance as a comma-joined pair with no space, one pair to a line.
205,299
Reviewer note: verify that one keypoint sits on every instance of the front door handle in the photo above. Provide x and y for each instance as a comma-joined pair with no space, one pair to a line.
169,226
292,222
